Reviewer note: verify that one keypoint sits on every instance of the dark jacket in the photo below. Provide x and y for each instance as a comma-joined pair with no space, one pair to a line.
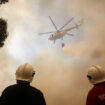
96,96
20,94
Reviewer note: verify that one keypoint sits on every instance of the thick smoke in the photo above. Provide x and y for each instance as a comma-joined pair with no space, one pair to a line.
60,80
60,73
92,45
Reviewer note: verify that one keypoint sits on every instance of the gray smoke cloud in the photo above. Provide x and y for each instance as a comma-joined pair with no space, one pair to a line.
60,73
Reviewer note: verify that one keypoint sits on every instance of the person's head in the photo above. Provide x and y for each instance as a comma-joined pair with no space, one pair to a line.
25,73
96,74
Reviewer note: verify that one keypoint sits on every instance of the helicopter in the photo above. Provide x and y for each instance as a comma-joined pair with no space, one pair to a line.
60,33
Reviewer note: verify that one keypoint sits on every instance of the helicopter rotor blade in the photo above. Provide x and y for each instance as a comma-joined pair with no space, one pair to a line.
45,33
70,34
67,23
53,23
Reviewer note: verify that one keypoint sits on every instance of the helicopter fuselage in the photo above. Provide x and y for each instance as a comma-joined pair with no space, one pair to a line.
57,35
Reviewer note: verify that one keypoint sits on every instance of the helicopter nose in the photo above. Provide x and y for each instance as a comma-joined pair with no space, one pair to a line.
50,38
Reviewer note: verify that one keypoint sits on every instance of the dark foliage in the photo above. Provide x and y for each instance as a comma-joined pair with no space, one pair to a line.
3,1
3,31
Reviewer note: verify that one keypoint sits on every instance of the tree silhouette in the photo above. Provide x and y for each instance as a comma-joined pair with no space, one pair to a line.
3,31
3,27
3,1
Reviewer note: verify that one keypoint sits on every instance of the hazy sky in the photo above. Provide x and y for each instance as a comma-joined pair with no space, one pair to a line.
60,72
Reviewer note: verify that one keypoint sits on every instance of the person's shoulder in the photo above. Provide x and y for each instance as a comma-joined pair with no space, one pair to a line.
9,88
94,91
34,89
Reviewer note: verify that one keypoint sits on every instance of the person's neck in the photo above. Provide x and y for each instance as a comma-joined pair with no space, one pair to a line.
23,82
101,83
